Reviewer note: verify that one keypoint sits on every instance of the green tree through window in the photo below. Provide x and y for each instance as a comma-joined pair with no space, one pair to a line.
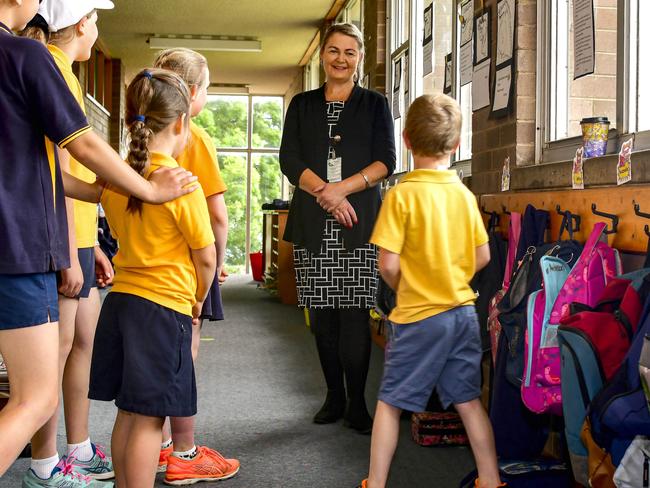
225,118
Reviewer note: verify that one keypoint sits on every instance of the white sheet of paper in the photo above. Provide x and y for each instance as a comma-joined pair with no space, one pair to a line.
334,172
482,45
448,71
427,55
467,26
505,30
502,82
466,64
583,38
481,85
397,81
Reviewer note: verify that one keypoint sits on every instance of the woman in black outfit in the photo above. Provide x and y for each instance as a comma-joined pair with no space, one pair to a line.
337,145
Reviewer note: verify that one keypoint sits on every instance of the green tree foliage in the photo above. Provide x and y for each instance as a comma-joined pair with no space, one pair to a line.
225,119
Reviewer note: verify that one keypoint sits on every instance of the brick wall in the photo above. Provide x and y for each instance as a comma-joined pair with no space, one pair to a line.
374,24
118,103
495,139
98,118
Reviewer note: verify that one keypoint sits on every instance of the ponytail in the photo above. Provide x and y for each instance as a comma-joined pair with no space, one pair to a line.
154,100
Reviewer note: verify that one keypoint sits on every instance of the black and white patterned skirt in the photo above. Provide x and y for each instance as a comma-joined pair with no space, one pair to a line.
337,277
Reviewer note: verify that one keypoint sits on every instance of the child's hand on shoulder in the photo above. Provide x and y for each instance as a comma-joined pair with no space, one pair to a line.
171,183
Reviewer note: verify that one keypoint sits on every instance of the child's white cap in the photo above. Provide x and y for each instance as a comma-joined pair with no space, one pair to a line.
60,14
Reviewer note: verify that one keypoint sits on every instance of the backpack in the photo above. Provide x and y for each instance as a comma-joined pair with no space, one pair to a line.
584,283
593,344
619,412
493,324
632,472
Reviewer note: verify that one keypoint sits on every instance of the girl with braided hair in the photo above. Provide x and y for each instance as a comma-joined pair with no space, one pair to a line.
164,267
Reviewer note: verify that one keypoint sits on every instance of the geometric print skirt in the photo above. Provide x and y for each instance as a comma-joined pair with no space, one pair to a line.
337,277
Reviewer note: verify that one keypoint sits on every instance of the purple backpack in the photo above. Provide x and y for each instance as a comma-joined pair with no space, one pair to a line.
541,389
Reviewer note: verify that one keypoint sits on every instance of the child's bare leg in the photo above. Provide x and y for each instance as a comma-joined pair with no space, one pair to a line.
182,433
385,433
44,440
481,438
76,375
166,430
143,447
31,357
119,441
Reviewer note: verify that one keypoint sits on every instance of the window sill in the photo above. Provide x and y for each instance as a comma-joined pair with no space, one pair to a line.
598,172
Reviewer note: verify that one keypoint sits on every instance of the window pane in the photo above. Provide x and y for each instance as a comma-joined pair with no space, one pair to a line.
354,13
443,17
267,122
643,107
266,185
229,117
233,171
592,95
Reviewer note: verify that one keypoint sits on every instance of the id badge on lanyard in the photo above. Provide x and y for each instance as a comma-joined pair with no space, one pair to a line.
334,163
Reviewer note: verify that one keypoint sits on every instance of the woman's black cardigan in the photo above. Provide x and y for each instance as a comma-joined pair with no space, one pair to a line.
367,135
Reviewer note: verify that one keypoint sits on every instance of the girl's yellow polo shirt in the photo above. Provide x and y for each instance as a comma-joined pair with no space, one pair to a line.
153,260
85,214
200,157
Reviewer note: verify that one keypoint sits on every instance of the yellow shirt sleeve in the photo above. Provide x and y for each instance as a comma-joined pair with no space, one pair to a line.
200,157
390,231
193,219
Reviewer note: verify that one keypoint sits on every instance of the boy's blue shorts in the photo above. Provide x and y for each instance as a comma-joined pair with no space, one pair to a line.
442,352
142,358
27,300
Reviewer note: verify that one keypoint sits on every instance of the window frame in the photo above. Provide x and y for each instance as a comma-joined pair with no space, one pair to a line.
561,150
414,46
249,150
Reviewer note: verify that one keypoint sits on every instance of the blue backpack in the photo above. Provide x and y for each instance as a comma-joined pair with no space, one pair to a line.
619,412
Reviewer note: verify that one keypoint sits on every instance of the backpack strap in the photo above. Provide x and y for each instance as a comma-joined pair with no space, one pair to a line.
595,236
555,271
514,233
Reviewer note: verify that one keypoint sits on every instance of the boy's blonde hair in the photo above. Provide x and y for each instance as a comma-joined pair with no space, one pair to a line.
186,63
433,125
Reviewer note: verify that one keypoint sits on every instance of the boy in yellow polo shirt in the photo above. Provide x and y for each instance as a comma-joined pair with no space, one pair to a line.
432,241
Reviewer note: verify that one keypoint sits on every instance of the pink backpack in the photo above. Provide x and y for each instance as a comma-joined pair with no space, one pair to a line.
541,386
493,325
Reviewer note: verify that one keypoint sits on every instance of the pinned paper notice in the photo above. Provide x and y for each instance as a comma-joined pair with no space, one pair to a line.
505,176
578,173
624,165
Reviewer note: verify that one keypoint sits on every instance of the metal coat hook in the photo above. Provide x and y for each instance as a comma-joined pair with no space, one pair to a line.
637,211
570,222
614,219
494,218
505,210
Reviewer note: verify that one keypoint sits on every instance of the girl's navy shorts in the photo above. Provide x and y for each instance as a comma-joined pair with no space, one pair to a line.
27,300
142,358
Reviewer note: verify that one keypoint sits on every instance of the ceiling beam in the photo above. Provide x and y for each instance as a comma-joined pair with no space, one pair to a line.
333,12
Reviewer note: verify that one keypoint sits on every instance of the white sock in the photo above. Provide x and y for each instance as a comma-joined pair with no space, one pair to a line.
83,452
166,444
44,467
186,454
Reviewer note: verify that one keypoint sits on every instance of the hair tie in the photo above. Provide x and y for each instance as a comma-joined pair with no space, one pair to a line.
140,118
147,74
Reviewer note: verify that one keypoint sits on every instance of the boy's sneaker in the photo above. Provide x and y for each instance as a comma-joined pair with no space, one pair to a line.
207,465
63,476
162,458
99,467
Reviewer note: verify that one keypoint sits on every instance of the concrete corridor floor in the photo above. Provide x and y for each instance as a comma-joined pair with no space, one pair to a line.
259,384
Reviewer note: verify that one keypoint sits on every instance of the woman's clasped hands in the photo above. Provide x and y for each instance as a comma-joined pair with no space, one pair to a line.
333,199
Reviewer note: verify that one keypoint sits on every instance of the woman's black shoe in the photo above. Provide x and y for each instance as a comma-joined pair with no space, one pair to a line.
332,410
361,422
